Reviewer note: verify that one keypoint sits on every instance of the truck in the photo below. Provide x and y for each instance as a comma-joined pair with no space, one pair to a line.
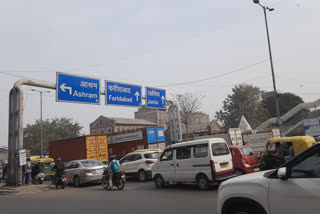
232,137
84,147
122,143
257,140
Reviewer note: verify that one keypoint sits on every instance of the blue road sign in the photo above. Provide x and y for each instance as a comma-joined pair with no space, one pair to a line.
155,98
77,89
123,94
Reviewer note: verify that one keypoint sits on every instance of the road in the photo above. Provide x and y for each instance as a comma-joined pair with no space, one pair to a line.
135,198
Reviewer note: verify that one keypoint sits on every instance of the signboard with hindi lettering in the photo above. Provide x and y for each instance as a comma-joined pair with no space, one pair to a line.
123,94
77,89
155,98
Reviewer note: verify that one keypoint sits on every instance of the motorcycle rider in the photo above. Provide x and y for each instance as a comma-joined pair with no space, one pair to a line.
36,169
58,170
114,167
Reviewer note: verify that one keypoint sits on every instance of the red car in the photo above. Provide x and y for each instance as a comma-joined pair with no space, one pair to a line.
244,160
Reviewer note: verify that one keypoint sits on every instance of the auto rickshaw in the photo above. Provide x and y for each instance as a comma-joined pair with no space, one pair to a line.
280,150
46,162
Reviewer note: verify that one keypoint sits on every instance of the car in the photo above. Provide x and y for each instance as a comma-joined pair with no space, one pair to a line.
203,162
293,188
138,164
244,160
79,172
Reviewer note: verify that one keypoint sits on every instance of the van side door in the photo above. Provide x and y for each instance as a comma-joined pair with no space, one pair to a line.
201,160
183,164
165,165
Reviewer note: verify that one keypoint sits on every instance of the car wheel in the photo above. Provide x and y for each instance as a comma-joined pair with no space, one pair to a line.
77,181
158,181
142,176
245,209
203,182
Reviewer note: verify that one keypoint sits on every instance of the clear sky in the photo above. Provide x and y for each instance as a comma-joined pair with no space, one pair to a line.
155,43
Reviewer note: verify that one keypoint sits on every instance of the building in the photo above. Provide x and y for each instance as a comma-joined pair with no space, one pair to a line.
106,125
201,123
157,116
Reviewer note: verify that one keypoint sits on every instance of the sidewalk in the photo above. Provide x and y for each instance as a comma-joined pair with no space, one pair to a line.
23,190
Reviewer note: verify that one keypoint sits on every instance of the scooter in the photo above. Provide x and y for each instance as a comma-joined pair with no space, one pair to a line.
39,178
118,179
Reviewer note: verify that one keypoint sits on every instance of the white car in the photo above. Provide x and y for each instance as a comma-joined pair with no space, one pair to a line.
138,164
293,188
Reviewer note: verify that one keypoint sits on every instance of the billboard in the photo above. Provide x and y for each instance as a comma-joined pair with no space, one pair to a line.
155,135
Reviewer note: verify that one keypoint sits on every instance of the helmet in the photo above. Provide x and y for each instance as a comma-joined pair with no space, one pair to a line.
59,160
39,161
112,157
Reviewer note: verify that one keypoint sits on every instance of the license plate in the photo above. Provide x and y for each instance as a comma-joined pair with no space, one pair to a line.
256,169
224,166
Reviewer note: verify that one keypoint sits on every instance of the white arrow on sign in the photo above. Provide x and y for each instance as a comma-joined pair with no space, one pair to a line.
137,95
64,87
162,98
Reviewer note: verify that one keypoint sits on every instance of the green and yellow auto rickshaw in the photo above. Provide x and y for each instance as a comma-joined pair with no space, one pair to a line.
46,162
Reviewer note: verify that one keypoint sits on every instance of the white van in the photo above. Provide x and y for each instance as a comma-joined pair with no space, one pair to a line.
201,161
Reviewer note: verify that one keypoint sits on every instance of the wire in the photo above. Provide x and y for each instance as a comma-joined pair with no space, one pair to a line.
217,76
19,76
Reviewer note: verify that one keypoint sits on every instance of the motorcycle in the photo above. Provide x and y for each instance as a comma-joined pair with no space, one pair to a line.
118,179
61,181
39,178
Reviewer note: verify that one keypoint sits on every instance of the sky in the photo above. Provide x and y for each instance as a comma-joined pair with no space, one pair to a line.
158,43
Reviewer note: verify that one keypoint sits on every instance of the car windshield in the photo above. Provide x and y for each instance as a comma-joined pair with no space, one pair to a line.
154,155
88,163
220,149
247,151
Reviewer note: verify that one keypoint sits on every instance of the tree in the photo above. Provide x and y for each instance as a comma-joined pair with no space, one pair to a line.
286,102
54,129
245,100
189,104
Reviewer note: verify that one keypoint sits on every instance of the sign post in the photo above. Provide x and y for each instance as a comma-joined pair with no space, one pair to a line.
123,94
155,98
22,157
77,89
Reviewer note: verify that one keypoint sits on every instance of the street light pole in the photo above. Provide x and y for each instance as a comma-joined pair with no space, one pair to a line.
41,123
276,97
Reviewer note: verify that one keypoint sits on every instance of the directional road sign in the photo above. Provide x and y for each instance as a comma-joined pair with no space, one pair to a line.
123,94
155,98
77,89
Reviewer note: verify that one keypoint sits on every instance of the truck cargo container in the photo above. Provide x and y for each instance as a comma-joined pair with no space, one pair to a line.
84,147
257,140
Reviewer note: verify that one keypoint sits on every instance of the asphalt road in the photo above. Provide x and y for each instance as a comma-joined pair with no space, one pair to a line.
135,198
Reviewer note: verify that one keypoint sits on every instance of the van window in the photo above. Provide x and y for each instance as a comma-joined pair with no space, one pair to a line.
200,151
167,155
220,149
183,153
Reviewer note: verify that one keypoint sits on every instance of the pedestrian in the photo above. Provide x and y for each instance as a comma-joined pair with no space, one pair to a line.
26,172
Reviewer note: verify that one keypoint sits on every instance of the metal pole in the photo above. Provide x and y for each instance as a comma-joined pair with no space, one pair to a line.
41,127
276,97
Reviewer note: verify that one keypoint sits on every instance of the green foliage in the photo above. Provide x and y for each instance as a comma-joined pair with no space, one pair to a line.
286,102
55,129
245,100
